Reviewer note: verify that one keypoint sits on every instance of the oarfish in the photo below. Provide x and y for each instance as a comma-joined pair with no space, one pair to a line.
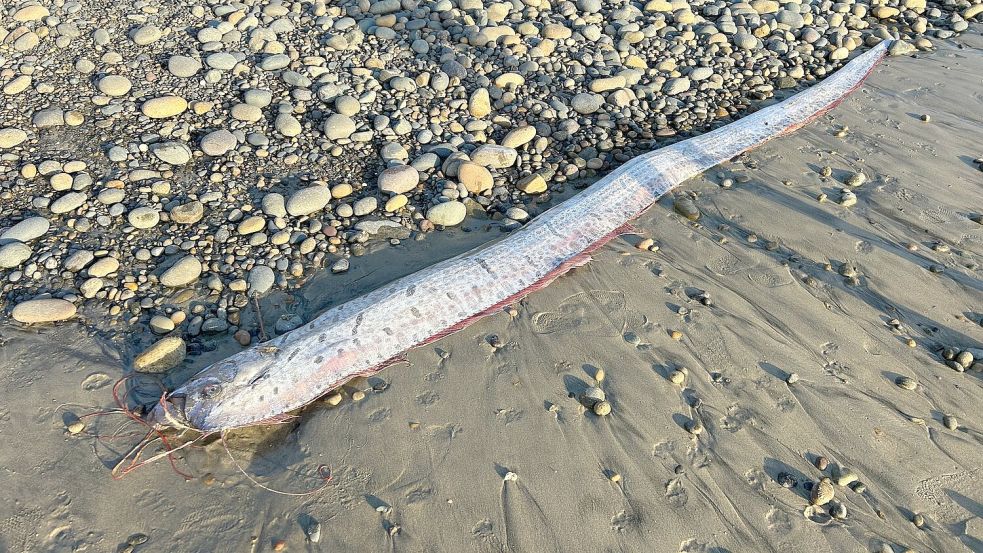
264,383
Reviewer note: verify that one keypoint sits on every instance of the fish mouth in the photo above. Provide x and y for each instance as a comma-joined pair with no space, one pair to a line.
170,411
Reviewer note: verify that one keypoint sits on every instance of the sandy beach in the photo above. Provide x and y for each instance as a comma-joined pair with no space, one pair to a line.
795,319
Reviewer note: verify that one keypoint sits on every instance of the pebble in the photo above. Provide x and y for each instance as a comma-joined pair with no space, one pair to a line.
148,34
474,177
43,311
162,356
160,324
185,271
174,153
821,462
164,107
183,66
694,426
447,214
602,408
188,214
532,184
338,127
587,103
114,85
68,202
218,143
308,200
11,137
519,137
261,279
26,231
906,382
686,207
495,156
950,422
143,217
399,179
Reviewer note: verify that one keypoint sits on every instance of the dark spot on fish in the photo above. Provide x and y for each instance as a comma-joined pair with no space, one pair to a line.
451,296
292,355
276,391
319,359
341,351
388,331
411,290
415,312
484,265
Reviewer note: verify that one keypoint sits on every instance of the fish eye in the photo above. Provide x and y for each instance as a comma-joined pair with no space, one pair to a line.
210,391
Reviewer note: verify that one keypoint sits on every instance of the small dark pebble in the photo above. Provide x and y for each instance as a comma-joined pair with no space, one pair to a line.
807,486
786,480
679,469
858,487
821,462
137,539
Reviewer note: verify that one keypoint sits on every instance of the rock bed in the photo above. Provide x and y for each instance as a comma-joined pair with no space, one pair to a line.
167,162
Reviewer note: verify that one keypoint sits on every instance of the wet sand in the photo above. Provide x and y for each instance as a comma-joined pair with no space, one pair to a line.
420,463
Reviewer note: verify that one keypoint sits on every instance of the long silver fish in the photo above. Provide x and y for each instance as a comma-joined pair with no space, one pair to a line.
264,383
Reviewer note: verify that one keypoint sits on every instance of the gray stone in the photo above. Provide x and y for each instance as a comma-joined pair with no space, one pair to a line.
11,137
586,103
14,254
148,34
26,230
183,66
398,179
495,156
188,214
676,86
218,143
274,205
365,206
308,200
50,117
447,214
68,202
338,127
175,153
43,311
143,217
162,356
185,271
261,279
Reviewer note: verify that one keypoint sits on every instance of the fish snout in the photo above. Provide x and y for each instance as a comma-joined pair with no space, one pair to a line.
170,411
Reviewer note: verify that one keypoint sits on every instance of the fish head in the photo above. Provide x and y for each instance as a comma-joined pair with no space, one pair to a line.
224,395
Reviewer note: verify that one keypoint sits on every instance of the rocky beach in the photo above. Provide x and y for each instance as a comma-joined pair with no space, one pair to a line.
787,357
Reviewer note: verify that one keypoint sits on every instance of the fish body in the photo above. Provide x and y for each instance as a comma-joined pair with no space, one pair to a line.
358,338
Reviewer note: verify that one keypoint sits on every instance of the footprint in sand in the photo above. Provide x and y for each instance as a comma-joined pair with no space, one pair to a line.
778,521
594,313
676,493
623,521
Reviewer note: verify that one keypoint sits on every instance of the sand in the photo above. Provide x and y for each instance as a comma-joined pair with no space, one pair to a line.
420,463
